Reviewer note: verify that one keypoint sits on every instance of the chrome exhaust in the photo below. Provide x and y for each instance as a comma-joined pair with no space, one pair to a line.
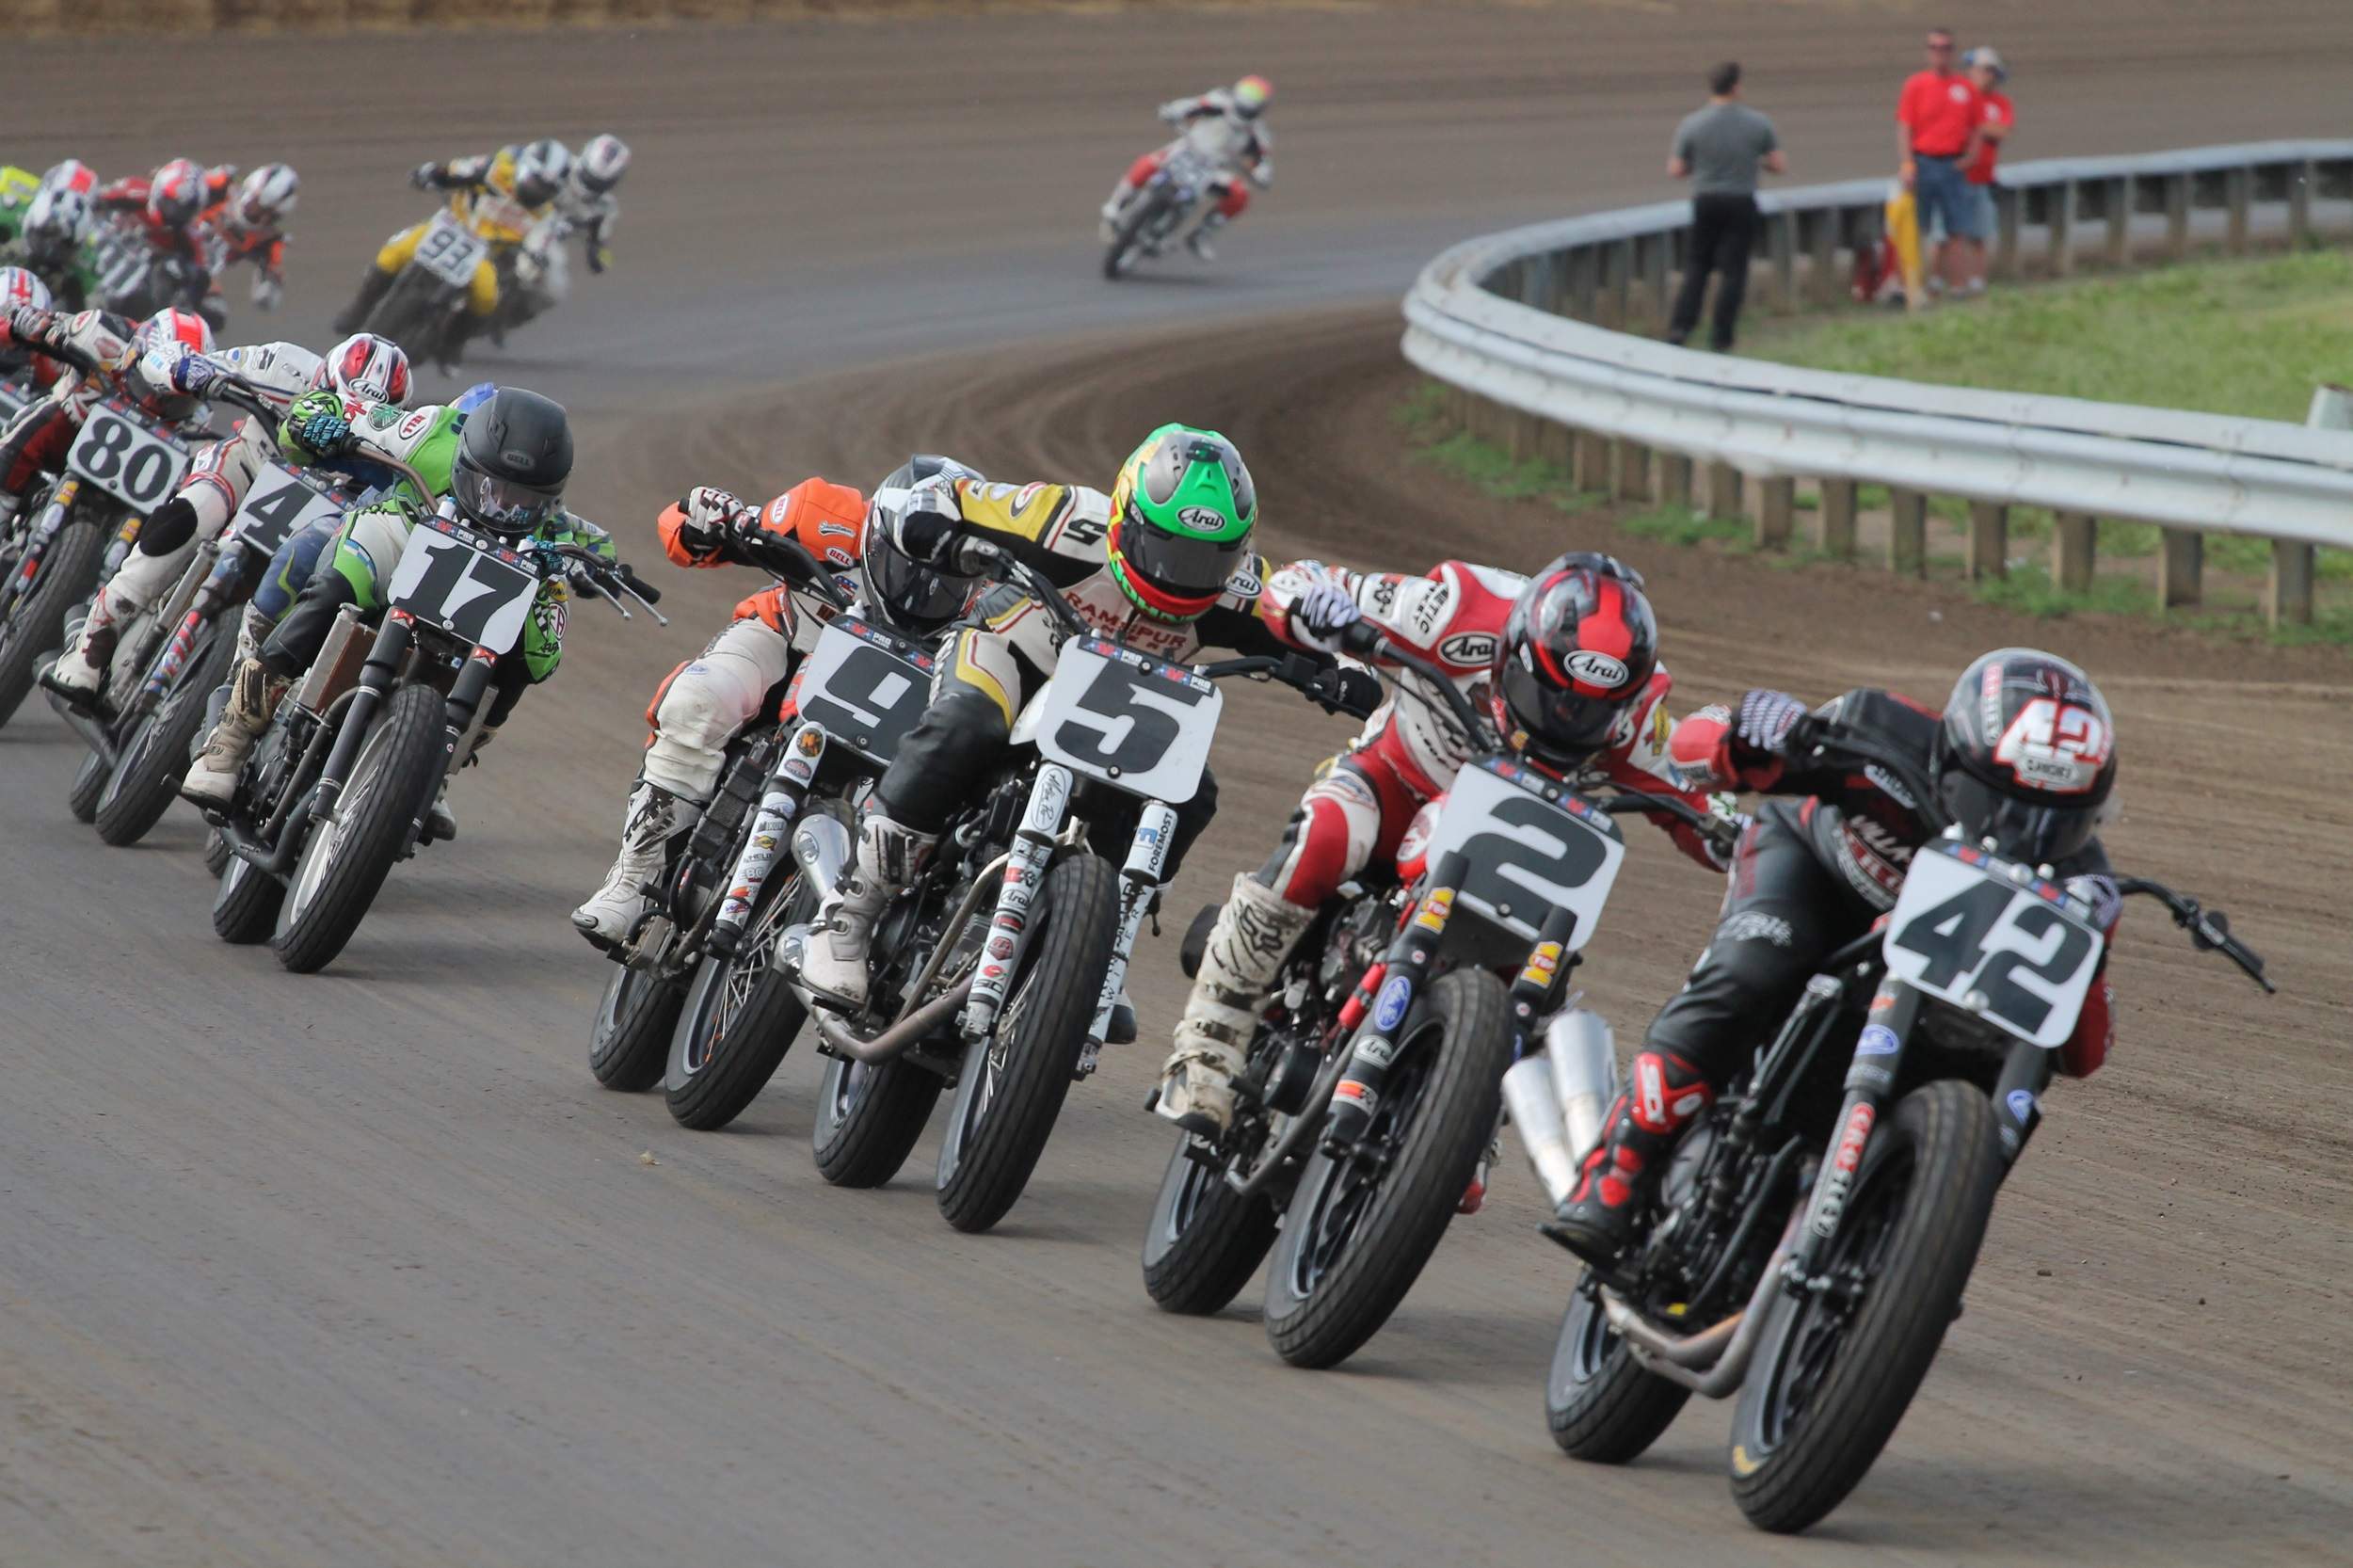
1712,1362
900,1037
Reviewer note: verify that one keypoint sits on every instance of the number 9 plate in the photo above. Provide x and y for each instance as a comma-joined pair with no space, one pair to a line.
2014,952
1128,719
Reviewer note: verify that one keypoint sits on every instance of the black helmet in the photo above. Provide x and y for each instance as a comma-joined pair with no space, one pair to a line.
512,462
2026,755
916,595
1579,648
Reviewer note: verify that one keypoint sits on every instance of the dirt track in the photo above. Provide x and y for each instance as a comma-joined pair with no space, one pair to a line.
365,1269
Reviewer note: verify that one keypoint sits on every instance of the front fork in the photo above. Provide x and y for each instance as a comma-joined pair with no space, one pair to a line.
1383,998
788,787
45,528
1008,927
1139,880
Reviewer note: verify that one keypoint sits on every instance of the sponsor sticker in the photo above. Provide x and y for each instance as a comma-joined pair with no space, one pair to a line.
1436,907
1543,964
1376,1050
1388,1008
1201,520
1595,668
414,426
2021,1103
1839,1179
1469,648
1878,1040
1356,1094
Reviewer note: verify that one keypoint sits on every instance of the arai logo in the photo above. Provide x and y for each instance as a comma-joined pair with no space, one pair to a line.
1469,648
1596,669
1202,519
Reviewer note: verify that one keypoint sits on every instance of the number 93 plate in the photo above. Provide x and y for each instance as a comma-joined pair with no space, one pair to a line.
1981,932
1126,719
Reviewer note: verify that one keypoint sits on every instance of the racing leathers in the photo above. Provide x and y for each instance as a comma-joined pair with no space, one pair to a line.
1214,126
195,247
484,199
101,356
1358,809
1007,648
703,704
354,570
1818,865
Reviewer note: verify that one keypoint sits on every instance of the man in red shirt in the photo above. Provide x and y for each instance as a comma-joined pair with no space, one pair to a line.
1937,123
1986,73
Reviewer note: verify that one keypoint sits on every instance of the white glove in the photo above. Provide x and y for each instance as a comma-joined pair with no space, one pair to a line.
1321,615
711,514
1262,174
1767,718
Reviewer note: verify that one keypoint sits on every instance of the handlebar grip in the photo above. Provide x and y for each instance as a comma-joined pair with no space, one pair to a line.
1361,639
637,585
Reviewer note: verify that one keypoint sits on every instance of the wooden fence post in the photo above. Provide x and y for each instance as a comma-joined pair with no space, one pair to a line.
1674,480
2119,201
2300,202
2075,552
1724,491
1989,540
2007,201
1776,512
1589,469
2060,213
2238,191
2180,567
1907,534
2289,602
1838,514
2176,214
1632,479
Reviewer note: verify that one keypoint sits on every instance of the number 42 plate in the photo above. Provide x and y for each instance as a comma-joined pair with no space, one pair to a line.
2013,952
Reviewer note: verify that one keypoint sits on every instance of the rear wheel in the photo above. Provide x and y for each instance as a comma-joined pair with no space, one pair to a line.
869,1116
1601,1404
154,754
1205,1239
1012,1083
345,862
634,1019
1359,1229
1834,1371
68,571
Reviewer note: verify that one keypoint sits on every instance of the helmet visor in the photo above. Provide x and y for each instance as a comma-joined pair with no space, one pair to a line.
502,505
911,592
2039,832
1562,726
1182,565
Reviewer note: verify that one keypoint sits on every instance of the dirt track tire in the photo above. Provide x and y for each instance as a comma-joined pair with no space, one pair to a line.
1320,1310
89,782
1204,1240
1601,1405
245,906
1919,1242
632,1034
68,571
1012,1084
1118,259
145,777
392,781
869,1119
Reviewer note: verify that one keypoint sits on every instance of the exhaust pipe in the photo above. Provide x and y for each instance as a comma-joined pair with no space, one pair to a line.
1527,1094
900,1037
1712,1362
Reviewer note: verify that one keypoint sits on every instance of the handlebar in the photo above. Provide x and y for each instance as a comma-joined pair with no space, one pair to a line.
1366,641
239,393
787,557
2209,929
611,579
1838,741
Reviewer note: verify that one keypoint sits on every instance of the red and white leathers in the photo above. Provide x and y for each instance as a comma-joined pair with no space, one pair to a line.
1214,126
131,203
1363,804
703,704
101,352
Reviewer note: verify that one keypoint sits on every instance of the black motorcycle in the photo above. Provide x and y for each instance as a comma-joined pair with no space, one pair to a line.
1815,1231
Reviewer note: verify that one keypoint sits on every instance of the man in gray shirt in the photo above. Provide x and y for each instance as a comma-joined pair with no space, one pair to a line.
1720,149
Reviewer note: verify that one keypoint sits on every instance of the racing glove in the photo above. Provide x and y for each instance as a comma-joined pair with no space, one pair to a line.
30,324
713,515
1718,749
427,176
193,373
1262,174
315,428
1321,616
600,257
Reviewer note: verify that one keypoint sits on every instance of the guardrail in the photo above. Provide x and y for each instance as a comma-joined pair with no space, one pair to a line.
1528,328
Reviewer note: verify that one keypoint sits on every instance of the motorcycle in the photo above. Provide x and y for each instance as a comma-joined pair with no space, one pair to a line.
1165,209
999,970
136,280
689,1004
1370,1092
423,308
1815,1232
339,787
74,529
185,645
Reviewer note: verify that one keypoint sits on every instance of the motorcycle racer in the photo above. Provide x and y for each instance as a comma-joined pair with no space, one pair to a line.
1164,562
1568,661
19,290
249,224
505,197
586,207
364,368
168,210
52,241
104,354
502,470
2025,746
703,704
1224,125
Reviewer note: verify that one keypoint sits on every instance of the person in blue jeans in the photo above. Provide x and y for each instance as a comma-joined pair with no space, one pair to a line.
1938,120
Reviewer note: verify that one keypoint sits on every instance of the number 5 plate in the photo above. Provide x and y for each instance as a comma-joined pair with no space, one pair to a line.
1530,846
864,687
468,584
1134,721
121,454
2012,953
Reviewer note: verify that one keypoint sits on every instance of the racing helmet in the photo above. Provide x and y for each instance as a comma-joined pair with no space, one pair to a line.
512,461
266,197
192,332
55,222
19,290
70,174
1252,95
474,397
176,194
367,367
162,340
916,595
1182,513
602,163
2026,755
1578,651
540,169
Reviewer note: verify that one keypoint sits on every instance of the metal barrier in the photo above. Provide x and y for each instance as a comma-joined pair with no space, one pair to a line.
1527,327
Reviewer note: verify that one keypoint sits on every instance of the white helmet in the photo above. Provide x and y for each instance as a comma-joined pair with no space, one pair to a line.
57,220
19,288
602,163
540,169
266,197
70,174
367,367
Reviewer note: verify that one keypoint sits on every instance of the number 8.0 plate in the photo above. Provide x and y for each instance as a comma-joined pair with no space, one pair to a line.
1128,718
121,454
2013,951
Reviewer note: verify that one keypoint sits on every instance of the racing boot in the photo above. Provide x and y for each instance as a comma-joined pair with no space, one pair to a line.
254,694
1198,240
440,822
79,675
1253,934
372,289
834,964
656,819
1596,1222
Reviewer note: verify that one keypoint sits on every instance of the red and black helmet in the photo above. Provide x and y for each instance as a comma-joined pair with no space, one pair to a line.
1579,648
2026,755
176,194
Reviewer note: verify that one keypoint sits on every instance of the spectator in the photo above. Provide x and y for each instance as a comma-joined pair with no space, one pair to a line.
1719,148
1986,73
1937,125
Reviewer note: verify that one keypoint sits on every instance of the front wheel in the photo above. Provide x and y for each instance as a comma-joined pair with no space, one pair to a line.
1602,1406
634,1019
1013,1082
244,905
1205,1239
1128,236
145,776
1359,1229
89,782
343,864
68,571
1835,1370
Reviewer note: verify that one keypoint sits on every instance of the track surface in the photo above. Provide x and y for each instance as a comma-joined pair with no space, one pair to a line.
363,1269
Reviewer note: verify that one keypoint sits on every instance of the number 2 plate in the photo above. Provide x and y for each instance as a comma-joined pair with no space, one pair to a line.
280,503
1529,850
469,585
122,454
1965,933
1120,716
865,690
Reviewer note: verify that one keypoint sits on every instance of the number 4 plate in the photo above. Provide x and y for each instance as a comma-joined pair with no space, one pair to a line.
2011,952
1119,716
280,502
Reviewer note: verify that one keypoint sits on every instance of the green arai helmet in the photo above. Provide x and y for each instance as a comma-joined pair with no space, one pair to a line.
1181,516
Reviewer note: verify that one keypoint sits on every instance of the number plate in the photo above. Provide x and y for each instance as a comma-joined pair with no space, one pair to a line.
467,583
121,454
280,502
866,688
451,252
2013,952
1531,846
1129,719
